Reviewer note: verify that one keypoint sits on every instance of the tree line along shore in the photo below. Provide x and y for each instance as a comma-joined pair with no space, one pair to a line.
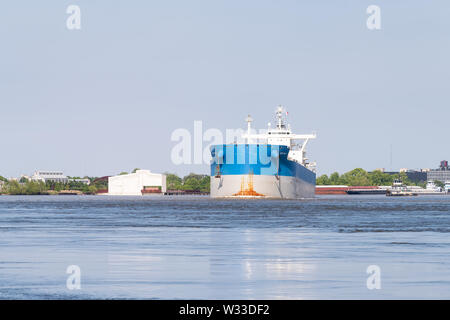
192,182
24,186
360,177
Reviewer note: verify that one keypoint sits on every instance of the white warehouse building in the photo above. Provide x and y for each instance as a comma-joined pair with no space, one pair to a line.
132,184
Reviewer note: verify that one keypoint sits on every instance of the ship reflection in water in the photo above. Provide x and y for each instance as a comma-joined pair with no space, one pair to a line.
200,248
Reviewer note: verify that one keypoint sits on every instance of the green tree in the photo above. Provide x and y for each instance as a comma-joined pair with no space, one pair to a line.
91,189
323,180
194,176
191,184
35,187
123,173
439,184
27,188
99,184
135,169
378,178
173,181
356,177
196,182
13,187
58,186
205,184
335,179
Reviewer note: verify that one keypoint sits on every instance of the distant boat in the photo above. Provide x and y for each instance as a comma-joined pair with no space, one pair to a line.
431,189
367,190
399,190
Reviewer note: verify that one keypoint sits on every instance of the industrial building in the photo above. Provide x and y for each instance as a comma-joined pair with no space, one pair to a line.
442,174
135,184
413,175
416,176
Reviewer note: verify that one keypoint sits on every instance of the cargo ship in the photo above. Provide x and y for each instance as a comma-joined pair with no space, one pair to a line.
268,165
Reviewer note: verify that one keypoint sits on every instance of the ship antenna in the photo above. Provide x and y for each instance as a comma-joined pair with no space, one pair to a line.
280,116
249,121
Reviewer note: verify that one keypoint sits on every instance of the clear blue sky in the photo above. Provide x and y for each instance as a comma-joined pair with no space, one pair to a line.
106,98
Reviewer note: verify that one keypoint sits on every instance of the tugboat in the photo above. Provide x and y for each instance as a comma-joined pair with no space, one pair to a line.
399,190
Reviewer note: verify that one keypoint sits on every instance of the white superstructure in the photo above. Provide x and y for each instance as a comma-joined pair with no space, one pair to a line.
432,187
281,134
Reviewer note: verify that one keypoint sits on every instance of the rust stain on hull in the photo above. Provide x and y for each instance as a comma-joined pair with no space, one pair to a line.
248,190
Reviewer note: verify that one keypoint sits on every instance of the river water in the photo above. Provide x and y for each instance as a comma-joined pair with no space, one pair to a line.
198,248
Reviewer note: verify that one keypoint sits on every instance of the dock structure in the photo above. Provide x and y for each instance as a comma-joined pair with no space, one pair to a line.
185,192
338,189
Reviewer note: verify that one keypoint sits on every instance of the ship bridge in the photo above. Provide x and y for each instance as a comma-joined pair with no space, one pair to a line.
281,134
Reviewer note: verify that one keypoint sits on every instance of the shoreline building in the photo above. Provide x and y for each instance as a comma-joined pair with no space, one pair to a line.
133,184
81,180
441,174
413,175
54,176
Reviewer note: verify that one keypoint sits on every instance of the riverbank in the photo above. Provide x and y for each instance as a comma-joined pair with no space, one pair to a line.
370,190
48,193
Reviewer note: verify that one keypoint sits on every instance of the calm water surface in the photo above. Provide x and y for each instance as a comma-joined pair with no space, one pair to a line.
198,248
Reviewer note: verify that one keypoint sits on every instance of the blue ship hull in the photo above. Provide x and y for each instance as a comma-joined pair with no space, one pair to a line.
258,170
